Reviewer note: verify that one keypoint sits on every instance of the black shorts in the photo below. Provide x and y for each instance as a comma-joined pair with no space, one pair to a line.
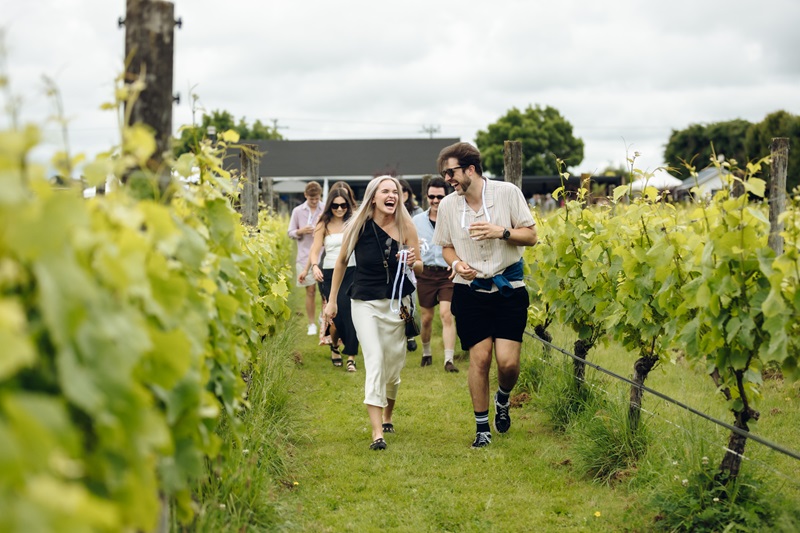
483,315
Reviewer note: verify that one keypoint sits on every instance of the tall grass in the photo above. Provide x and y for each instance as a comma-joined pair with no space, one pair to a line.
241,492
563,399
606,449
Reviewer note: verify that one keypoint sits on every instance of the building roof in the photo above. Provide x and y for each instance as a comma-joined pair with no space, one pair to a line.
346,158
708,179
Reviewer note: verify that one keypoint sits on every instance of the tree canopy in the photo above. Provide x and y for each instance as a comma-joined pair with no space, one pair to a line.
693,144
736,139
778,124
544,135
222,121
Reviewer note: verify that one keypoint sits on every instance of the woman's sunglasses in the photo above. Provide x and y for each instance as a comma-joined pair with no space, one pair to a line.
334,207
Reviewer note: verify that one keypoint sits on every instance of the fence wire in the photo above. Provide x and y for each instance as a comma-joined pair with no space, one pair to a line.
776,447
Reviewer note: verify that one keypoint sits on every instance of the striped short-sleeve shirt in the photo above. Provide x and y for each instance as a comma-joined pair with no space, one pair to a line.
505,206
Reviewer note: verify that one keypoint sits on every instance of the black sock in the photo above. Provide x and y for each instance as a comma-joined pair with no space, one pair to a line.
482,422
502,395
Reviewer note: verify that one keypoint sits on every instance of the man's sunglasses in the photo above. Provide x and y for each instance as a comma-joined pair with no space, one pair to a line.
450,172
338,206
435,196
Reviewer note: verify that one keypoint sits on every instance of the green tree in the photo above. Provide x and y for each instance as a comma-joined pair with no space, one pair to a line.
693,144
544,134
778,124
222,121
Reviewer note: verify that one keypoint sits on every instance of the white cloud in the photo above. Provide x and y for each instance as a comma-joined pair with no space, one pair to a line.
619,69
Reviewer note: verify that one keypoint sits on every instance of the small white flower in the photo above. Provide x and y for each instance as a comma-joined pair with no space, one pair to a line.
674,463
685,482
676,477
222,506
245,451
716,499
705,460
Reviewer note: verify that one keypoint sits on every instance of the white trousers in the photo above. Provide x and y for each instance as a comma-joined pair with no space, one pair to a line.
382,335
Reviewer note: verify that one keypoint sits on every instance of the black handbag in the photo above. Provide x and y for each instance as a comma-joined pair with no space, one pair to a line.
411,318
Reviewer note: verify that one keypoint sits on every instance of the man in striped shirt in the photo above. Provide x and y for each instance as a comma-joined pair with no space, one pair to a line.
482,230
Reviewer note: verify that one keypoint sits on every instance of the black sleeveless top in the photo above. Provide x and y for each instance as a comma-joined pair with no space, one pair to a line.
370,281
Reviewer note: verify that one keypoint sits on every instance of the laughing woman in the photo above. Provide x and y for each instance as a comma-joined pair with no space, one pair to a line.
376,234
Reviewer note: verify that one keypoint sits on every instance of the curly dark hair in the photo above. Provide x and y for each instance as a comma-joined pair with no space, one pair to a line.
466,154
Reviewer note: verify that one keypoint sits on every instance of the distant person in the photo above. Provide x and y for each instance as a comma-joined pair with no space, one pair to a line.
410,203
409,199
434,286
376,234
346,186
301,226
482,230
328,235
549,203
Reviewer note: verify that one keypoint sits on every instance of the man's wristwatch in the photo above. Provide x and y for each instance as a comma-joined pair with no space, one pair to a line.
506,234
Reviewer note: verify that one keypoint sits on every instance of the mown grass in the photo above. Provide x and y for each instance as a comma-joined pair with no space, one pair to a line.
317,473
429,479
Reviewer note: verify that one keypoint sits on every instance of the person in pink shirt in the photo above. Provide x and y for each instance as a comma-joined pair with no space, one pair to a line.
301,228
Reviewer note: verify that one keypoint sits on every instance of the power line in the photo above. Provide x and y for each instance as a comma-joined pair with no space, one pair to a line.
670,422
680,404
430,130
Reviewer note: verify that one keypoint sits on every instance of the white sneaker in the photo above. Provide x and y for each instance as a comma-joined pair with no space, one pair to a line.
312,329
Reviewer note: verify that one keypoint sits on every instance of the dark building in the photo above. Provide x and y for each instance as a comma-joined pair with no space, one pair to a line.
291,164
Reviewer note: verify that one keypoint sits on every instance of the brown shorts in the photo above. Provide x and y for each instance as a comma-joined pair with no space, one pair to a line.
434,286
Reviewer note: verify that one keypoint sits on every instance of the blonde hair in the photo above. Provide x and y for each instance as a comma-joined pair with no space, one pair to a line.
355,226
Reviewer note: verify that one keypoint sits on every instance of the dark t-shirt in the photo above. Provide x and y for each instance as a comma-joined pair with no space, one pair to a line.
373,281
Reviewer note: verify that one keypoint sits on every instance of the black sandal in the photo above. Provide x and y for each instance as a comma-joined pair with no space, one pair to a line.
351,365
337,361
378,444
388,427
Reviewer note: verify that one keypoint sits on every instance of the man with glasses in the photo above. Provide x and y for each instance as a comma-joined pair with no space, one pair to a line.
434,285
482,230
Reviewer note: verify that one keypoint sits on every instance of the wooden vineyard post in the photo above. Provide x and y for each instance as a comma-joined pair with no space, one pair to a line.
249,194
149,47
423,201
777,190
512,162
268,194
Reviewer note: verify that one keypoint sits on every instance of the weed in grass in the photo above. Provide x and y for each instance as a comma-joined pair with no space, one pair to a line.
687,497
606,449
695,501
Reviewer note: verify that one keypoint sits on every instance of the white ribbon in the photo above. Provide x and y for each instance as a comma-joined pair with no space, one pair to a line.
400,276
485,210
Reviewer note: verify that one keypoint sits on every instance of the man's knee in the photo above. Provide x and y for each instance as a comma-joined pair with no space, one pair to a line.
480,357
508,360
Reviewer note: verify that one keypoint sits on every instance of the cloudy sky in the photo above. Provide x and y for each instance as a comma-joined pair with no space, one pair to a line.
623,72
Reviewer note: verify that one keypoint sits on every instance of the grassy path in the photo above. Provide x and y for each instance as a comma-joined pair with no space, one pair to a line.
429,479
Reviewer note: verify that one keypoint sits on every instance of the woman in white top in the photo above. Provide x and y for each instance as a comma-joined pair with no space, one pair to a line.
328,234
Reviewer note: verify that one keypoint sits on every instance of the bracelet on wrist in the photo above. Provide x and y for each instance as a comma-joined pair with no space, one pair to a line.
454,263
